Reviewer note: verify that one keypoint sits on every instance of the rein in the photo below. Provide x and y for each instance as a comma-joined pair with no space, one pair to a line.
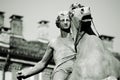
95,27
78,38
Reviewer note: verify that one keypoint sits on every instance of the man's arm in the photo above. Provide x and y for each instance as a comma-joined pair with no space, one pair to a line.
39,66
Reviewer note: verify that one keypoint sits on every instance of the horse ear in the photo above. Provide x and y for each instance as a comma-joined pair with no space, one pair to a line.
71,7
80,5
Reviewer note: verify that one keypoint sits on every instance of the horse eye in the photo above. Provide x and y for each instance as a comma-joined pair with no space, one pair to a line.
71,14
73,8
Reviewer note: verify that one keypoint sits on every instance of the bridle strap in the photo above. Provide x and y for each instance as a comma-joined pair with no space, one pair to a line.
95,27
78,38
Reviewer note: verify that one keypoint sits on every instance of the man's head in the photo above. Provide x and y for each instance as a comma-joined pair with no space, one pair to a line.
63,20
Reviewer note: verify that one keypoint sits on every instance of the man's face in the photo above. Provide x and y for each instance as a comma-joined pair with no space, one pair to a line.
64,22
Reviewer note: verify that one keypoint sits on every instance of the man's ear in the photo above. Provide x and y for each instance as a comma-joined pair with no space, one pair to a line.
58,23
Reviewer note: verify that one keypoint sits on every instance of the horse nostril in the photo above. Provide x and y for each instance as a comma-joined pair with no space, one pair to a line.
82,9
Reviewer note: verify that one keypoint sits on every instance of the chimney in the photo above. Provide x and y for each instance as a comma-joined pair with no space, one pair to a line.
4,35
16,25
43,31
108,41
1,20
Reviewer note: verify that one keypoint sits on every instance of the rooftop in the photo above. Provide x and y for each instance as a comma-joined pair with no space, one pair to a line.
16,17
43,22
106,37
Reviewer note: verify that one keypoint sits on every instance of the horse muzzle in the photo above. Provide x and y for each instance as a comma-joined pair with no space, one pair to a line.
86,14
86,18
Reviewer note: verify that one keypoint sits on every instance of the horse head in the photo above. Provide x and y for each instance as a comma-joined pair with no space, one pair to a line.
81,20
79,15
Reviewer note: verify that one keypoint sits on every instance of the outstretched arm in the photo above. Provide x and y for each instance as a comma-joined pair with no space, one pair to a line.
39,66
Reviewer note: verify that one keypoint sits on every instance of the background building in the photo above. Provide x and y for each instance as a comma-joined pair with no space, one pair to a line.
108,42
16,53
43,31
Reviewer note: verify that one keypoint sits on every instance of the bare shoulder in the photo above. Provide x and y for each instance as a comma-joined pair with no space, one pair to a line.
52,42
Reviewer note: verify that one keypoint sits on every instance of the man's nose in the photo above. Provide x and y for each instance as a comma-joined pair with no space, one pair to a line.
65,22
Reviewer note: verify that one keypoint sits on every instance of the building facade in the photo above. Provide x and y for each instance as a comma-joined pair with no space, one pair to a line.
16,53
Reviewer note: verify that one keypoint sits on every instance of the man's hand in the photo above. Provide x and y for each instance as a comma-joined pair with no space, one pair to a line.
20,75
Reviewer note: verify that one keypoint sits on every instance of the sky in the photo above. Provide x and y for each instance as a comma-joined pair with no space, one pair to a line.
105,13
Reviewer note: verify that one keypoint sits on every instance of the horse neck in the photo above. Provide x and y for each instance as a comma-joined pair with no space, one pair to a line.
73,31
